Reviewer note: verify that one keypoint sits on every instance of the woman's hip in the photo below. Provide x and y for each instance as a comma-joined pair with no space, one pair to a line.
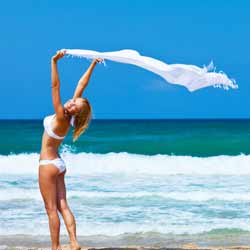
57,162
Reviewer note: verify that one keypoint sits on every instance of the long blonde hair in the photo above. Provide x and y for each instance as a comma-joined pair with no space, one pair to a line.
82,120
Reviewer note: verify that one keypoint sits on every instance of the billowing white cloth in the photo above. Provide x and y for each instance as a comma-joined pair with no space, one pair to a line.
190,76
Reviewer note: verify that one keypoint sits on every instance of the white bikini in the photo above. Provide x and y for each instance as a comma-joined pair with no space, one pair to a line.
47,123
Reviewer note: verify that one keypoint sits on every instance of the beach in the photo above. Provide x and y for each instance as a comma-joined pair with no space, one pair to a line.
25,242
155,95
152,184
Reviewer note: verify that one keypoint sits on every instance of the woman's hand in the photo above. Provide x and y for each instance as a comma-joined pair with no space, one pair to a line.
98,60
59,54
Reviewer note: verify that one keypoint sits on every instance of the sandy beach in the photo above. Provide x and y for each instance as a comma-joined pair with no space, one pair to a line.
26,242
187,246
140,113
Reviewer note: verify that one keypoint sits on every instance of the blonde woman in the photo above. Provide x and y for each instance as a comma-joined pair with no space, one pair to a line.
77,113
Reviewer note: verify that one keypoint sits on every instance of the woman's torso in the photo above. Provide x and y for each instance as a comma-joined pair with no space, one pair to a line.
53,135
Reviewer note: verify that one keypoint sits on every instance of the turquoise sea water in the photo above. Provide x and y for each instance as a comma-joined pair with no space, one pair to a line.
148,137
161,177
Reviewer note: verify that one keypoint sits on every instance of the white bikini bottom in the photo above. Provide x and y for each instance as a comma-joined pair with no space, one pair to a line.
57,162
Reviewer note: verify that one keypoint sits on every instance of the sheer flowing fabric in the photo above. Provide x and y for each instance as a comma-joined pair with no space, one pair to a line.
190,76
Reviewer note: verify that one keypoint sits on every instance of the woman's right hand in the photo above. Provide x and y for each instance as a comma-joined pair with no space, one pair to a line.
98,60
59,54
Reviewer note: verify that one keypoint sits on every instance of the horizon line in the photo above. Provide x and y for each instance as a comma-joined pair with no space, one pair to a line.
136,119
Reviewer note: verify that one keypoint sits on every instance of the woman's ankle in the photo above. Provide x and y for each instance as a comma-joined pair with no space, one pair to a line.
57,247
74,245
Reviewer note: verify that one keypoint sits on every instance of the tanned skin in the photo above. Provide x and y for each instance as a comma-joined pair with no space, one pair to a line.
51,181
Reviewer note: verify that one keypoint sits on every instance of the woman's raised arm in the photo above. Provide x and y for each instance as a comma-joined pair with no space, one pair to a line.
83,82
56,85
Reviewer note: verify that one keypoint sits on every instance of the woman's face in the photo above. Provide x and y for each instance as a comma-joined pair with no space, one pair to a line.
74,106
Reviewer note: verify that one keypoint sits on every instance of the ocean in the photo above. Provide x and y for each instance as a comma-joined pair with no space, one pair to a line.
134,179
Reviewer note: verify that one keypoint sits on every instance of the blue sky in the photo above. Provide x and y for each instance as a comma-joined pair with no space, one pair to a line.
191,32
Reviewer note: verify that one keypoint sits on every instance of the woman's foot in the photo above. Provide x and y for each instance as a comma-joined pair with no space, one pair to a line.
56,248
75,246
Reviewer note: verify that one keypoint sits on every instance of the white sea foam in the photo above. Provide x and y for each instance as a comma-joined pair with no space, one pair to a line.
125,163
26,194
118,229
157,191
201,196
182,196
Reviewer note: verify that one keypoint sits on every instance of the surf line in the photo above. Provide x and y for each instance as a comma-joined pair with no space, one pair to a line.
190,76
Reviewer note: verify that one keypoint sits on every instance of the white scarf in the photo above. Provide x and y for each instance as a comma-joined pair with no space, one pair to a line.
190,76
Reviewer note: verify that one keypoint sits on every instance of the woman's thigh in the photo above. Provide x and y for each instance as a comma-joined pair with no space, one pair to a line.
47,183
61,192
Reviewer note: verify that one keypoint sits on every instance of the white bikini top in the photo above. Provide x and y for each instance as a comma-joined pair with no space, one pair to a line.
47,123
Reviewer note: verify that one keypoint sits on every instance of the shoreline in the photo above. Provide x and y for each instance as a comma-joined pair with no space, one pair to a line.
192,246
214,242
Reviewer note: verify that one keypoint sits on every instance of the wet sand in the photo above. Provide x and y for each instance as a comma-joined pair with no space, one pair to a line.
28,242
185,247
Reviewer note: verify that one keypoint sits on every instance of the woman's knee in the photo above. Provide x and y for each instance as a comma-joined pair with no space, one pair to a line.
51,210
63,207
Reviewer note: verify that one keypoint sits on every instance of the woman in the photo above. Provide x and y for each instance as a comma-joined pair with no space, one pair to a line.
52,169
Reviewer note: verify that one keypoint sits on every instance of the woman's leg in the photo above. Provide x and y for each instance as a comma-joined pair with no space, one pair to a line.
47,183
67,215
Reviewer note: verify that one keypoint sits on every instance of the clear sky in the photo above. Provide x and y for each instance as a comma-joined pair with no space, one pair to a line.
190,32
